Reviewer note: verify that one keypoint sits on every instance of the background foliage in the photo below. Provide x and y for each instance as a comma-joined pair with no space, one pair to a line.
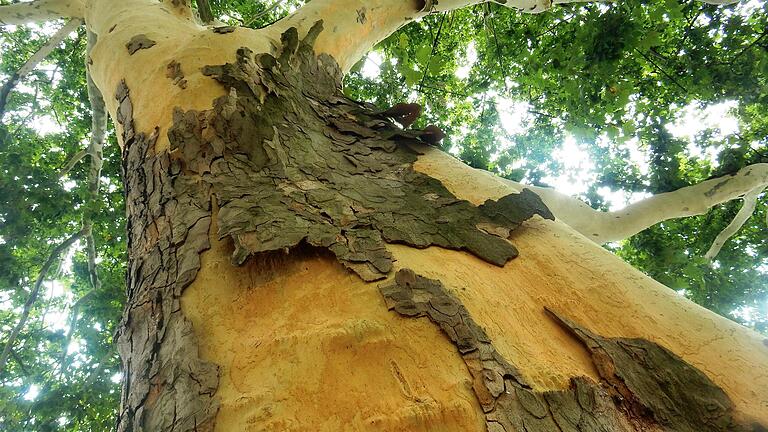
509,89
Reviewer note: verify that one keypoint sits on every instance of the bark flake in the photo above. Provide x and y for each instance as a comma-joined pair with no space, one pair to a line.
139,42
175,74
166,386
224,29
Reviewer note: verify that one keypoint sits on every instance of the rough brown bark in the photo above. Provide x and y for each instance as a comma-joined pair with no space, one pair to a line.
284,159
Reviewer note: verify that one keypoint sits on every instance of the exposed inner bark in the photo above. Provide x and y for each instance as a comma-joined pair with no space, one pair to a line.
644,386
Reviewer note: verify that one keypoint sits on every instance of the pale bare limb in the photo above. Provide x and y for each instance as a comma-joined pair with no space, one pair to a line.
72,162
98,127
95,151
355,26
604,227
746,211
40,11
33,294
35,60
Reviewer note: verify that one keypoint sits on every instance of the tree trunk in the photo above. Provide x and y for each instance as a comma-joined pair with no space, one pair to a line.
300,262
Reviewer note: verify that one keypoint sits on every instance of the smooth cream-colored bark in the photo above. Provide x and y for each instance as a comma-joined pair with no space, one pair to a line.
40,10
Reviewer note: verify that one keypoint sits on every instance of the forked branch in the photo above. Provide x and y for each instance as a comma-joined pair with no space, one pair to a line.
604,227
746,211
35,60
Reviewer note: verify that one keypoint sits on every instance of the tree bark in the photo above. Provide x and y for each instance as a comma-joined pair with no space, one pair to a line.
263,206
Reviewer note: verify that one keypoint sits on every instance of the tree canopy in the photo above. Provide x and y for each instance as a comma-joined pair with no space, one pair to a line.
610,99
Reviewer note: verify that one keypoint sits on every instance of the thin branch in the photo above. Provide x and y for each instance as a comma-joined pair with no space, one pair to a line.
74,315
687,30
432,52
604,227
72,162
660,69
748,47
502,65
20,363
95,151
98,130
58,250
35,60
39,11
746,211
261,14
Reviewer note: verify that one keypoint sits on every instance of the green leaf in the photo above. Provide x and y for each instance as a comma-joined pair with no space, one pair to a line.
403,41
423,53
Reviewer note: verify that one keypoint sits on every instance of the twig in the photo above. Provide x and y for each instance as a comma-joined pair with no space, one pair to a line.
95,151
431,53
502,65
660,69
34,293
20,363
35,60
269,9
688,29
753,43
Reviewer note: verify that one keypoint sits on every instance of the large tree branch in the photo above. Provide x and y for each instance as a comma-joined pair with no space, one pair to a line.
353,27
604,227
35,60
40,10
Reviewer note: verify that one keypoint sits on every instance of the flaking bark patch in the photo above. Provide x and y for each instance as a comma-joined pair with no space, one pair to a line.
166,385
291,159
652,381
139,42
174,73
223,29
644,386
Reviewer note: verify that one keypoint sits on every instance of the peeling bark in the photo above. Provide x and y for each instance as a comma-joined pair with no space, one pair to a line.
166,386
291,160
287,159
644,386
174,72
